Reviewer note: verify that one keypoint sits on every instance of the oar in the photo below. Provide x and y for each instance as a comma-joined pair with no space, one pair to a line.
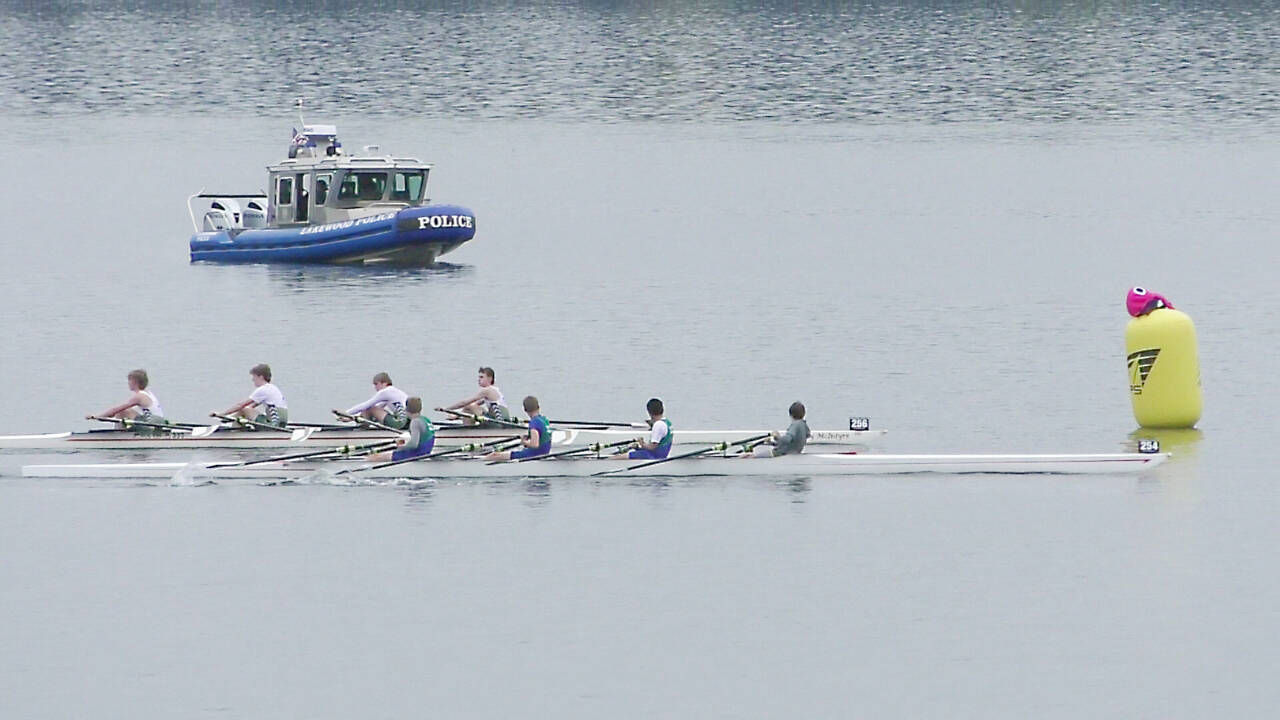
575,423
318,426
481,419
584,423
296,434
366,421
595,447
130,422
714,448
341,450
492,444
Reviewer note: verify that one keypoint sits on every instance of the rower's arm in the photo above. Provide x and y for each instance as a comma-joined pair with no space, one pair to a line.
533,439
463,403
238,407
366,404
415,436
787,439
133,402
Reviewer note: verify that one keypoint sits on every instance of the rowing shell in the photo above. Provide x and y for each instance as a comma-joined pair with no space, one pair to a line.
445,438
805,465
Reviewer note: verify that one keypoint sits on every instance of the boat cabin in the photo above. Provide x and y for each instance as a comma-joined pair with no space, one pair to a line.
320,184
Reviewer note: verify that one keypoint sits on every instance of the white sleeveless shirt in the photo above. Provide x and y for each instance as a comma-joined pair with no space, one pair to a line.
500,402
154,408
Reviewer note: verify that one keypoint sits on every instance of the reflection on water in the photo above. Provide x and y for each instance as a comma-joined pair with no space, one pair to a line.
1180,478
1181,442
304,278
798,488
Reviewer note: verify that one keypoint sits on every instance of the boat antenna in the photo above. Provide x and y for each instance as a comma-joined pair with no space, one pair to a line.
298,103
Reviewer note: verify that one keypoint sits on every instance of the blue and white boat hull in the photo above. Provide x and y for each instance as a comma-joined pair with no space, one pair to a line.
410,236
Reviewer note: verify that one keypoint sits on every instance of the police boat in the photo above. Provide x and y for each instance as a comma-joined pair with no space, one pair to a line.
325,206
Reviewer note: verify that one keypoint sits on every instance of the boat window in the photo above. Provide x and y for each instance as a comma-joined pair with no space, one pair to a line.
407,186
363,186
372,185
348,189
322,188
284,191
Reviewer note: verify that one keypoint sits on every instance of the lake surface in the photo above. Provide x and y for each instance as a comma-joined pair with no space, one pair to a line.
927,214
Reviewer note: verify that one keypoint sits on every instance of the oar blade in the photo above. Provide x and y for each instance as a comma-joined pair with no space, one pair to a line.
204,431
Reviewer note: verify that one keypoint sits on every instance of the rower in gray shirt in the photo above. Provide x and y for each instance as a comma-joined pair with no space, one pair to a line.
792,441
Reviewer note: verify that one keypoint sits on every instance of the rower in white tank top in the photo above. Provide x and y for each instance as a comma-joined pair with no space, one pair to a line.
141,405
487,403
492,406
151,408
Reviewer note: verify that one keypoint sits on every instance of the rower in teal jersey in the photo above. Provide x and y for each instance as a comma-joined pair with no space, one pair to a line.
658,446
537,442
422,436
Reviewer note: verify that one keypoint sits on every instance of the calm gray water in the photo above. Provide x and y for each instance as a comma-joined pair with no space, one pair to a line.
925,214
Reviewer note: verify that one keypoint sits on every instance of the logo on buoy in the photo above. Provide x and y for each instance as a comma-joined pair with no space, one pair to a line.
1140,364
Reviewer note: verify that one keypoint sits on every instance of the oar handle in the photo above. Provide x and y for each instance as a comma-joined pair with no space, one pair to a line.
237,420
480,419
365,421
594,447
127,422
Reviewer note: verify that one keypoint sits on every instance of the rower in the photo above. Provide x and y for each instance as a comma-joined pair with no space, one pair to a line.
266,403
790,442
537,442
422,436
660,437
488,402
387,406
141,405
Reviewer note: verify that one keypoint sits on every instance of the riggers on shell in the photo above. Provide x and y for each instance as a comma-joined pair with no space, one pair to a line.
1164,366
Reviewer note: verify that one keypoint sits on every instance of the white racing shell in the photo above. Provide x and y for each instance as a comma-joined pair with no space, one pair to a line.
803,465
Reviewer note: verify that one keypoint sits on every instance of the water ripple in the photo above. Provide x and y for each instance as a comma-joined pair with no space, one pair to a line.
872,62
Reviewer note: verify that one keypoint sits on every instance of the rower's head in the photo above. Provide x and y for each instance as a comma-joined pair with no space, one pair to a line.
260,373
413,405
654,406
796,410
531,405
137,380
485,378
382,380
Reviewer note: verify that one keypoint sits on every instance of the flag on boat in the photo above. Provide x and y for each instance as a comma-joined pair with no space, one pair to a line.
299,138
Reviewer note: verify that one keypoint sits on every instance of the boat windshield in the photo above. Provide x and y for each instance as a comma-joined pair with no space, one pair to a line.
366,186
407,185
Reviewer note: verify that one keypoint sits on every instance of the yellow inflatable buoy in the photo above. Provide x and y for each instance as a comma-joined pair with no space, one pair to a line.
1164,364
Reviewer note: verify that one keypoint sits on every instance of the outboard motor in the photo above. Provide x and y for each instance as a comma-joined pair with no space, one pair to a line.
254,215
223,214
